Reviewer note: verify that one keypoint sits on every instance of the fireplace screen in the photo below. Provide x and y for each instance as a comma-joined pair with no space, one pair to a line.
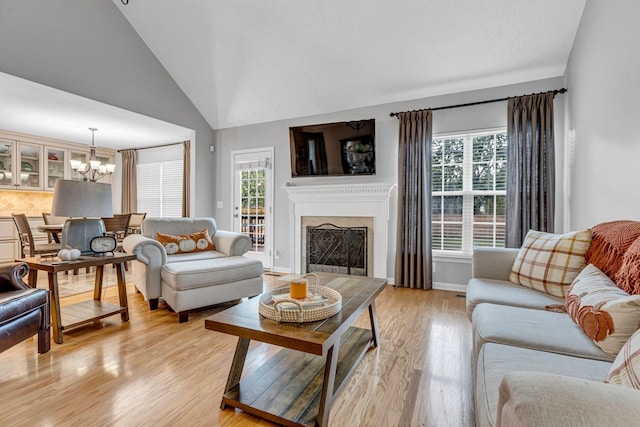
334,249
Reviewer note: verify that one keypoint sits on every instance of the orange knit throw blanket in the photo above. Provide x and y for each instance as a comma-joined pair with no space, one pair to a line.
609,243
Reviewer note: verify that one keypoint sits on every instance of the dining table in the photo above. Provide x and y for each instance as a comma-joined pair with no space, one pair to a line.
50,228
55,230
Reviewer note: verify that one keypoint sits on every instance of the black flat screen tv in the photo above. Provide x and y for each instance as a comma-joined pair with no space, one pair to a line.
333,149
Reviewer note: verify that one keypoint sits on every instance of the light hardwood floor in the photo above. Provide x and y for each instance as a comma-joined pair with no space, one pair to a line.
153,371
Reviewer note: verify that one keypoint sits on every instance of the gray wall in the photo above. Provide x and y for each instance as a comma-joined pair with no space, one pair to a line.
89,49
603,115
276,134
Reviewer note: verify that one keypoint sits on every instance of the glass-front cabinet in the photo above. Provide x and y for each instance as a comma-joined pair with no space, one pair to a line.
20,165
105,159
55,164
7,156
30,174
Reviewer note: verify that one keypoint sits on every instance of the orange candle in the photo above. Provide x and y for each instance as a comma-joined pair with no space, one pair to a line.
298,288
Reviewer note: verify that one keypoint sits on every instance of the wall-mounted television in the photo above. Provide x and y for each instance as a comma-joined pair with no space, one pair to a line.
333,149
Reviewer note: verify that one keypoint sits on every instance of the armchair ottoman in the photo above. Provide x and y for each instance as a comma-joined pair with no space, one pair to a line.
186,281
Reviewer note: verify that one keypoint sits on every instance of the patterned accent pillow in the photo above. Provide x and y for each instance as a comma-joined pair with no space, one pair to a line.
625,369
185,243
550,262
607,314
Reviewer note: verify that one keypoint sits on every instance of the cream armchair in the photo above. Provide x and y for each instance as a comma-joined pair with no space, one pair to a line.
191,280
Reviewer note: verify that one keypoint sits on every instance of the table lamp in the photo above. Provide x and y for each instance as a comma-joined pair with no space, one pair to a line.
86,202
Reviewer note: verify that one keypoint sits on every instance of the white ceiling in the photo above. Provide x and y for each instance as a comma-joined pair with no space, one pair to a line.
35,109
252,61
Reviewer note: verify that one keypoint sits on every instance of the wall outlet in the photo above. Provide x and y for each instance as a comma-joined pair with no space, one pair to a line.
219,204
212,148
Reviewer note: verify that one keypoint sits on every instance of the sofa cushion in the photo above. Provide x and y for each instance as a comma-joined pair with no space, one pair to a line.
497,360
194,256
625,369
534,329
209,272
506,293
550,262
628,276
539,399
606,314
186,243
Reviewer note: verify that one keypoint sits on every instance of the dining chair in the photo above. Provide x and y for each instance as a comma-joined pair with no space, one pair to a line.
52,236
118,227
27,244
135,222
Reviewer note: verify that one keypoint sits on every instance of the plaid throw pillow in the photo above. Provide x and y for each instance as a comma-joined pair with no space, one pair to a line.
625,370
550,262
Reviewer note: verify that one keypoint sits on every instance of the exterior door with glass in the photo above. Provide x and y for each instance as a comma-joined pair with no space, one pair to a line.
252,200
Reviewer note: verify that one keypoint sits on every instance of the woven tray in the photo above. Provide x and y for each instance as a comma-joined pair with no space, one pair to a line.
300,315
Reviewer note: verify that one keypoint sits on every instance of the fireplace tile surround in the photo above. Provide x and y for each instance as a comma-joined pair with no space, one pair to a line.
368,202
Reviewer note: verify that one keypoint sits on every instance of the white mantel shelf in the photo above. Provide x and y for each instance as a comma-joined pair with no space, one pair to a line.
348,200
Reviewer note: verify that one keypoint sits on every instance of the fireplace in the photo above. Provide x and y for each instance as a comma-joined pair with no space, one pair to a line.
362,205
335,249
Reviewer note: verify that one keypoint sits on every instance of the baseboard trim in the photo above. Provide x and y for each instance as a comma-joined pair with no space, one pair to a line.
282,270
442,286
454,287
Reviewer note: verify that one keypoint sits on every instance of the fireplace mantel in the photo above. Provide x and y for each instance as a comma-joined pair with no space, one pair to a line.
349,200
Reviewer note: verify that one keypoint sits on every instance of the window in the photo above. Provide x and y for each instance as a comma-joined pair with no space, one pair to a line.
469,182
160,188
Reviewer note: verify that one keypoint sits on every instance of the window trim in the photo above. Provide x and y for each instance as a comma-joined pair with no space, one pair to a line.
466,192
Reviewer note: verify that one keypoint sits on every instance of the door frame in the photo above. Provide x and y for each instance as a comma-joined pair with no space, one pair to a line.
269,196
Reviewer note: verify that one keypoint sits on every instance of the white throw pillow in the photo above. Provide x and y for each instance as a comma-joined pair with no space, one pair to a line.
607,314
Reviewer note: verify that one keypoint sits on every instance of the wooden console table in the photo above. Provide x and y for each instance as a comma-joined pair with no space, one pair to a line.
297,386
86,311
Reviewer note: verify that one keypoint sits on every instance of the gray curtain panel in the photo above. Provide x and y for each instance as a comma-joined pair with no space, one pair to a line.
186,173
129,197
530,167
413,246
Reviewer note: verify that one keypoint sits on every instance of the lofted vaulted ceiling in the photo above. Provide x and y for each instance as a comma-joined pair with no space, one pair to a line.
253,61
242,62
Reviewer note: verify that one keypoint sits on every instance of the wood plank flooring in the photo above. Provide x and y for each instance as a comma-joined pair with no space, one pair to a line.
154,371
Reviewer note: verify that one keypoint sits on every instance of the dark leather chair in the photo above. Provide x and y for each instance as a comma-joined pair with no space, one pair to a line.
24,311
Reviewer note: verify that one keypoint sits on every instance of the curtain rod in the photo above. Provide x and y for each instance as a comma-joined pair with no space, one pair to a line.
555,92
153,146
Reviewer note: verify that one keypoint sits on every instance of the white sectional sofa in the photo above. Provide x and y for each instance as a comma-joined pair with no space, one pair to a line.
186,281
532,364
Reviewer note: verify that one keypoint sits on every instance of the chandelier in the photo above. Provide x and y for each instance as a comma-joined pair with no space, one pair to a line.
95,169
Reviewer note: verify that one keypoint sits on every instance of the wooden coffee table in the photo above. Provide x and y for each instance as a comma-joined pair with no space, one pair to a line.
297,386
